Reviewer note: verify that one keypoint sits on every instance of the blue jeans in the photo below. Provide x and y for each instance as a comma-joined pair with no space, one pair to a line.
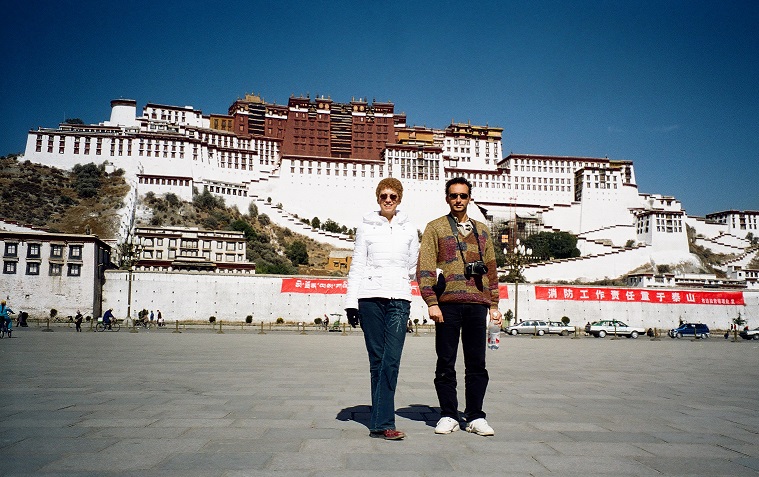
384,323
469,322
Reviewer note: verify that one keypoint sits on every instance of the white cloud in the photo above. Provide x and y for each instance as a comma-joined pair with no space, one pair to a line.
670,128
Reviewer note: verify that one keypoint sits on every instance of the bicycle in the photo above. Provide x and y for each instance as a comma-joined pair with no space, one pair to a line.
114,326
142,324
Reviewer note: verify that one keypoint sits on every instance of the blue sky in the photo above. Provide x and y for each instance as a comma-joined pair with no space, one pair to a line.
671,85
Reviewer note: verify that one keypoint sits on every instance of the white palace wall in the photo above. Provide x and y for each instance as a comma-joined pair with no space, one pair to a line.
196,296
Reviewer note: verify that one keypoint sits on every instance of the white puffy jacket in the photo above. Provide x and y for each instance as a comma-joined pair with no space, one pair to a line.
384,259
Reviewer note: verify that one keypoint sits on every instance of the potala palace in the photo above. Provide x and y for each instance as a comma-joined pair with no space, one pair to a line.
317,157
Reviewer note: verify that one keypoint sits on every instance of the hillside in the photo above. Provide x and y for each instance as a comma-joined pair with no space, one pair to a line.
88,200
61,201
274,249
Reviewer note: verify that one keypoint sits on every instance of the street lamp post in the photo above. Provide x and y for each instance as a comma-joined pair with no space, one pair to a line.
131,252
517,258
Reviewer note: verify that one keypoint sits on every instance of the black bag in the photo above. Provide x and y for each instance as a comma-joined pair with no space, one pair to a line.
439,287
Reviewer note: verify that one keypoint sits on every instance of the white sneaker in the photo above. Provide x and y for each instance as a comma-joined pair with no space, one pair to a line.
446,425
480,427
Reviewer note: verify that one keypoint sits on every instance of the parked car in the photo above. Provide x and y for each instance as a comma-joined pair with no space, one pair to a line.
750,334
699,330
600,329
528,327
559,328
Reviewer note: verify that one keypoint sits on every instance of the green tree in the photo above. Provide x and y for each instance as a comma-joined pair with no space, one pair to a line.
331,226
316,223
207,201
253,210
297,253
552,245
86,179
278,266
243,226
172,199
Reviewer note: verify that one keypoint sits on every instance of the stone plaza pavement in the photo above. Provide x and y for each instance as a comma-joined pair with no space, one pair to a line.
236,404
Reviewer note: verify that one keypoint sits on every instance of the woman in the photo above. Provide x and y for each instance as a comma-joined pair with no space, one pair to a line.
379,298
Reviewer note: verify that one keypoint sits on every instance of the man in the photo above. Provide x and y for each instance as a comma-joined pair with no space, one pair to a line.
6,322
463,249
78,320
107,318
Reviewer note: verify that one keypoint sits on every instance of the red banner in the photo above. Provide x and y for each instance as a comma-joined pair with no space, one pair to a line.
503,292
639,295
331,286
324,286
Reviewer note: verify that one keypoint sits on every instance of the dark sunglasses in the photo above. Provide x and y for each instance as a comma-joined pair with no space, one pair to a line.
393,197
454,195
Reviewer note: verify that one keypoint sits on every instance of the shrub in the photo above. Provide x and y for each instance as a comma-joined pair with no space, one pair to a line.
253,210
565,320
509,316
53,313
212,319
297,253
172,199
317,321
249,319
280,320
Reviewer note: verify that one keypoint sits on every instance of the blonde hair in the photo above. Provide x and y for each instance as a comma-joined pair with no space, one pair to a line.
390,183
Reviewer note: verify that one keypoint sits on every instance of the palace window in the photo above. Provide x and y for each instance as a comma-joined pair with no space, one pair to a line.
56,269
32,268
33,251
75,252
11,249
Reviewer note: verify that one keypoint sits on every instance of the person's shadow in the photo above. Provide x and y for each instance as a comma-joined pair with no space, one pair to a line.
415,412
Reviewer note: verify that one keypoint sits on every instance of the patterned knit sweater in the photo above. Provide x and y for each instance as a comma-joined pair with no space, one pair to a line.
439,249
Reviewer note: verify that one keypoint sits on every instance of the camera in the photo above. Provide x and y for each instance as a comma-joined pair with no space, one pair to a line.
476,268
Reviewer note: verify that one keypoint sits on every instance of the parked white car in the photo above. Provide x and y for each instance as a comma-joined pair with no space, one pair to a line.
559,328
528,327
600,329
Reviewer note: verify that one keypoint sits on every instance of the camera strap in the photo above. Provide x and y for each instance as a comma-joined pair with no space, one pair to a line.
455,231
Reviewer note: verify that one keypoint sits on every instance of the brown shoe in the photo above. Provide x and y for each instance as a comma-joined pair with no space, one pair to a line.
388,434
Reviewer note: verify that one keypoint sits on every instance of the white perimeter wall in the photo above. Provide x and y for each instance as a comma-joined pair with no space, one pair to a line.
231,298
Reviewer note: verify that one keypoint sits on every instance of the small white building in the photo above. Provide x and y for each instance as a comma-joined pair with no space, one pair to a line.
738,222
170,249
44,271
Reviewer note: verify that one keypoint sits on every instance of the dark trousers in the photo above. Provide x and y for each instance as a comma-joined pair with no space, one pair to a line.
469,322
384,324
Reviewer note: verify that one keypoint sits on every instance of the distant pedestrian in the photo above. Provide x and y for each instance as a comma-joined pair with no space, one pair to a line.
108,317
151,317
5,317
78,321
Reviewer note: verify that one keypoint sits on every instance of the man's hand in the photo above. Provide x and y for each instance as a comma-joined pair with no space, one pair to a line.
496,317
435,314
353,316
